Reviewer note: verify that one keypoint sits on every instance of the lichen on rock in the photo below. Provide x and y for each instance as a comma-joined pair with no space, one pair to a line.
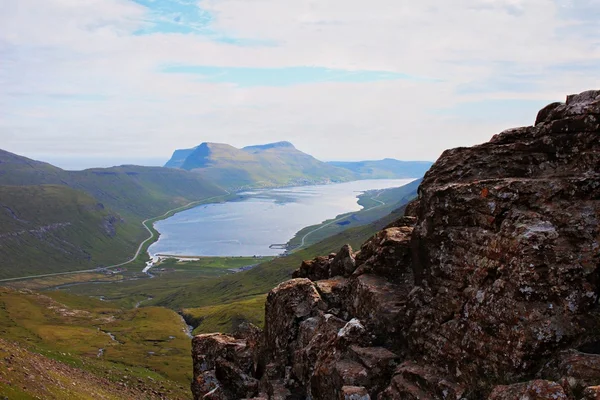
487,288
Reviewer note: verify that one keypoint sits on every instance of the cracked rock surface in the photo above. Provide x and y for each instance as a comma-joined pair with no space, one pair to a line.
487,288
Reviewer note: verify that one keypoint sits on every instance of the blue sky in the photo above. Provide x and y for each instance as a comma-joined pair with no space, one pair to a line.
132,80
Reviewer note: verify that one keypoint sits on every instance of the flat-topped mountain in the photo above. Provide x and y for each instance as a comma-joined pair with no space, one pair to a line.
487,288
281,163
263,165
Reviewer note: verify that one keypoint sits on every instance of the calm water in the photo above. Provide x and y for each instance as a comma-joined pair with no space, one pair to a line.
262,218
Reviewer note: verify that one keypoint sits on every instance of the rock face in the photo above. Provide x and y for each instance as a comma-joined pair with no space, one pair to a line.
488,288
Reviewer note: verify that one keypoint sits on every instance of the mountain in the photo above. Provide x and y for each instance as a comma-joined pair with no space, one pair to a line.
272,164
281,163
52,220
387,168
487,288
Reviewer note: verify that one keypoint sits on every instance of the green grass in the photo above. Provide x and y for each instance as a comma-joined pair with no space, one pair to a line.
55,220
372,211
150,341
128,293
226,317
222,301
51,228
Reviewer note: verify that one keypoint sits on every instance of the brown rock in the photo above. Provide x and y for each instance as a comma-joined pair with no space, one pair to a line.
490,281
234,380
591,393
344,263
578,369
533,390
287,305
354,393
388,254
210,349
315,269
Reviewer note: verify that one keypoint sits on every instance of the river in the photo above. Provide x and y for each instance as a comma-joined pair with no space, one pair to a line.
248,227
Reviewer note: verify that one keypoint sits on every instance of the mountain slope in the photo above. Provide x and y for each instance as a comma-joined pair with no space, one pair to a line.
264,165
387,168
43,226
54,220
59,346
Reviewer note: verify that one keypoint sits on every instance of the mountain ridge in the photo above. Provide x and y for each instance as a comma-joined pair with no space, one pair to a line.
281,163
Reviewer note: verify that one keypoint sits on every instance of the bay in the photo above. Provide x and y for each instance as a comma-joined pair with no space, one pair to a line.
247,227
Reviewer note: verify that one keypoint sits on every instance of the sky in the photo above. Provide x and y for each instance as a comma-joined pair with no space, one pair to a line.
104,82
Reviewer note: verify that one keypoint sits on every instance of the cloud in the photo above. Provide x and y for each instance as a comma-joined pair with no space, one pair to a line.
341,79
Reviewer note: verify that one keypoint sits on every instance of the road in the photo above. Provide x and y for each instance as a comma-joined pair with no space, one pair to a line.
137,253
381,204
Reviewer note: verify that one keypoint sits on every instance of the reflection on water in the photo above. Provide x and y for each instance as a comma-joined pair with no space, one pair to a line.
262,218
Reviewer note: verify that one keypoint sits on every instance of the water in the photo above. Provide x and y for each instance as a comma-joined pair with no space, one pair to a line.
262,218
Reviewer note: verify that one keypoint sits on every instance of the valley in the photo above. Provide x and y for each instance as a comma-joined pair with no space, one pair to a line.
128,329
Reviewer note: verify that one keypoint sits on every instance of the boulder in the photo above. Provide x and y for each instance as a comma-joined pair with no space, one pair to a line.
487,288
533,390
315,269
344,263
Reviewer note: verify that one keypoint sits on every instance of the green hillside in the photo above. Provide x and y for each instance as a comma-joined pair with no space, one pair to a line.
376,204
59,346
273,164
47,228
54,220
221,302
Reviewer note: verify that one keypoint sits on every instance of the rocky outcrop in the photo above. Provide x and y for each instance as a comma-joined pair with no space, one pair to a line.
487,288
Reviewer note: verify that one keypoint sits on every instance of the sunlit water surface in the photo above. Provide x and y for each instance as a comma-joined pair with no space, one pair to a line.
264,217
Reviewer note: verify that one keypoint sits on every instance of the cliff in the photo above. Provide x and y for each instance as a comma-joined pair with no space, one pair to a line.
487,288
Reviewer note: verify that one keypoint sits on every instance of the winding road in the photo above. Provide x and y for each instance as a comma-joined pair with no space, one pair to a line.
137,253
381,204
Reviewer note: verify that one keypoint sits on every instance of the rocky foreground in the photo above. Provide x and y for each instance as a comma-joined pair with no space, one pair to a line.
487,288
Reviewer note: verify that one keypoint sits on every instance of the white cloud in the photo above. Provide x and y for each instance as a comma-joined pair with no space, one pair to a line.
75,79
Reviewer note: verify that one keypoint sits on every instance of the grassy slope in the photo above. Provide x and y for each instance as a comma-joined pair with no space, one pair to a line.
84,200
372,211
218,303
151,349
53,225
128,293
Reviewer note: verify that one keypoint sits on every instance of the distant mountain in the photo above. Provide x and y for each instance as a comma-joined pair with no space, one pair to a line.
53,220
271,164
387,168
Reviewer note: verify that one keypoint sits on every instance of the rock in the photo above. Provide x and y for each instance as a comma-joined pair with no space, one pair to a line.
315,269
344,263
534,390
354,393
506,246
287,305
591,393
414,381
335,292
234,380
491,280
578,369
316,333
388,254
381,306
211,350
